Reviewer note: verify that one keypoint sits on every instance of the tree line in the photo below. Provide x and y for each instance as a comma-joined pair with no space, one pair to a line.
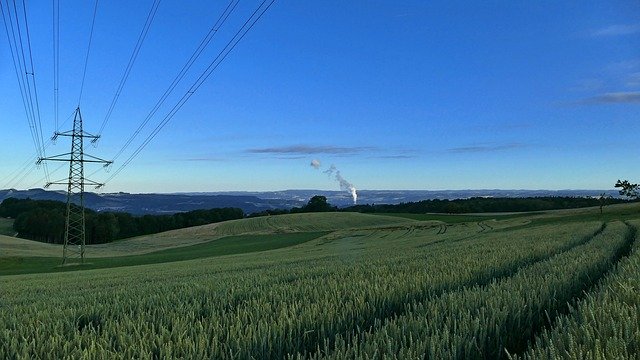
485,205
44,220
317,203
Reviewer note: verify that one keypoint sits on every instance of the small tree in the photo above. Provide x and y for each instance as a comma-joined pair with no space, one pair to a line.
318,203
604,200
628,189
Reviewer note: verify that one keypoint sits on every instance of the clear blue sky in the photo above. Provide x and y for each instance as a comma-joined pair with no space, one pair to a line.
395,94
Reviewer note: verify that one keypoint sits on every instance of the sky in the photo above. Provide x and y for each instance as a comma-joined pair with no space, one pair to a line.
395,94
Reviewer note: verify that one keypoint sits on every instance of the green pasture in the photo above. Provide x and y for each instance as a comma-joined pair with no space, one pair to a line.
237,244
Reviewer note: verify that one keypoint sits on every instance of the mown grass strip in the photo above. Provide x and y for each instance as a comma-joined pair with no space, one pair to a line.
224,246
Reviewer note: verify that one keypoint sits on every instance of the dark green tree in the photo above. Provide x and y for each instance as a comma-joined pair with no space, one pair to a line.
105,228
318,203
127,224
628,189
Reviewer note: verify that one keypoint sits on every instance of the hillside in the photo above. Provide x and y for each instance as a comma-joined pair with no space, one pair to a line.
300,223
231,237
335,286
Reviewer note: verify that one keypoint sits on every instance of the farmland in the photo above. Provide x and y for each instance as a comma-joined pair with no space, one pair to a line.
550,285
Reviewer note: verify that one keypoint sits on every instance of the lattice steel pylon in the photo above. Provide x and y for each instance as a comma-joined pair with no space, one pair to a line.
74,236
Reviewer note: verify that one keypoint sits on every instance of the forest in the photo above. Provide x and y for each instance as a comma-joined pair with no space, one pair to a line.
487,205
44,220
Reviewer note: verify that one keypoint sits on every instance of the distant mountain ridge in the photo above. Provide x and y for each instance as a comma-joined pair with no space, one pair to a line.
250,202
140,204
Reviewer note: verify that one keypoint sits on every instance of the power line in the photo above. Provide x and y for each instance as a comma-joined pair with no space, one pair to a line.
239,35
181,74
56,59
17,65
35,89
16,61
86,59
132,59
29,164
41,180
26,84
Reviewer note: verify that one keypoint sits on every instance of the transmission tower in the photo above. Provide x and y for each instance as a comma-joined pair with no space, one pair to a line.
74,235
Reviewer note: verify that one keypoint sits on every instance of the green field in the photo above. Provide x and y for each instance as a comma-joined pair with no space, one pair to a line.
560,284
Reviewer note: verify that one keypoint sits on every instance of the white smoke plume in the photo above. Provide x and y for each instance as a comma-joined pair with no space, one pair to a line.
315,164
344,184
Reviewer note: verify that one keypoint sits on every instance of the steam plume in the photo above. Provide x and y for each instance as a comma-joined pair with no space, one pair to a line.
344,184
315,164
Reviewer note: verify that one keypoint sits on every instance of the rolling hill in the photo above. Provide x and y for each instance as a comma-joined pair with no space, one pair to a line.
335,286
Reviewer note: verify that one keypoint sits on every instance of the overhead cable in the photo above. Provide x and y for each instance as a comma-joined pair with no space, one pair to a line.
25,73
56,60
86,58
145,29
239,35
181,74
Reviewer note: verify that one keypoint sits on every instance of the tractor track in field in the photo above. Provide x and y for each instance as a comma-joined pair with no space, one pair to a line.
315,339
521,346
